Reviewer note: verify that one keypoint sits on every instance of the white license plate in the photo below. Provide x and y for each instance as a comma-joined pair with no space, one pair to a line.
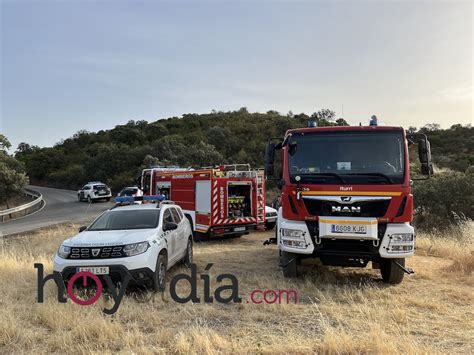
349,228
102,193
96,270
239,229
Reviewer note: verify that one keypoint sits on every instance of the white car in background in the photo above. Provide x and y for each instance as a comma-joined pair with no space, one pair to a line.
93,191
131,191
141,241
271,215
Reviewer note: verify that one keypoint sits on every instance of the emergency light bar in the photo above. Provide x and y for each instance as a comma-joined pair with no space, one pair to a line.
132,199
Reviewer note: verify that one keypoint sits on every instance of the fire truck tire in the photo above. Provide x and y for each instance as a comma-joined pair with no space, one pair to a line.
392,273
288,262
270,226
199,237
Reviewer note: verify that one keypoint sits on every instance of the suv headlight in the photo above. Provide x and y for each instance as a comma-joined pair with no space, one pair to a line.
64,251
402,237
136,248
292,233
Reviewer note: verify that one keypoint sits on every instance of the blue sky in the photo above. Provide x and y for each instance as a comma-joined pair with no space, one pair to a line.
91,65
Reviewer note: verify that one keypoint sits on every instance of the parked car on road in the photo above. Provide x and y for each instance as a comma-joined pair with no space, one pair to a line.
131,191
141,241
270,217
93,191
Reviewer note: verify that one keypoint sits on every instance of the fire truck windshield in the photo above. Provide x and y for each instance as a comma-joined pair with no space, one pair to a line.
347,157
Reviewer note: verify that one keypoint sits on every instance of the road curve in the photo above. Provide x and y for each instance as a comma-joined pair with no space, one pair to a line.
61,206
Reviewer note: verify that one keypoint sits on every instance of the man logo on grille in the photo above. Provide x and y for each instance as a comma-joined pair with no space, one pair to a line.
95,252
346,198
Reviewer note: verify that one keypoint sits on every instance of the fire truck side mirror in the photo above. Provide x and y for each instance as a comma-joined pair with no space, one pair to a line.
424,154
270,159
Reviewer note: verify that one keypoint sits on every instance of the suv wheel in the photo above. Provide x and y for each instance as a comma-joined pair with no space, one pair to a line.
188,258
89,200
288,263
159,277
79,197
392,273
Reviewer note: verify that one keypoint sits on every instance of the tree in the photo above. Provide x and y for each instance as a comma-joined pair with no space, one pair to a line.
4,143
341,122
12,173
324,114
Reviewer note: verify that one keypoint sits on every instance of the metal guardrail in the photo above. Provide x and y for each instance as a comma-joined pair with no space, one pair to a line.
38,200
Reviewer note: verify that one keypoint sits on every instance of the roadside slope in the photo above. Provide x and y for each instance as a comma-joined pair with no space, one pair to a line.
61,206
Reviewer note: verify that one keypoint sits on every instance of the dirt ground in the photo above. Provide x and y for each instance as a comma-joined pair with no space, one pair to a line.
337,311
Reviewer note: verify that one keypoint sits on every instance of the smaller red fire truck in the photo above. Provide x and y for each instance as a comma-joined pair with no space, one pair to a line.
228,200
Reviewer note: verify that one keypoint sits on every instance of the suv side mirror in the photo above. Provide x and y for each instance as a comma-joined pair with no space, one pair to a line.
270,159
169,226
82,229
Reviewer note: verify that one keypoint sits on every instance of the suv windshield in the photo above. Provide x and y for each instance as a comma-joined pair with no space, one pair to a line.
347,157
130,219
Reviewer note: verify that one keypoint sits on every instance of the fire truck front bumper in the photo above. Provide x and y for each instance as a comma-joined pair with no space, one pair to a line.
391,240
232,229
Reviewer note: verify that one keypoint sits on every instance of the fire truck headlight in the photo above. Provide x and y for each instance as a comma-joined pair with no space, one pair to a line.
402,237
294,244
292,233
400,249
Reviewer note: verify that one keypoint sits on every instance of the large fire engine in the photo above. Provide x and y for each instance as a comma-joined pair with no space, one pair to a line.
228,200
346,196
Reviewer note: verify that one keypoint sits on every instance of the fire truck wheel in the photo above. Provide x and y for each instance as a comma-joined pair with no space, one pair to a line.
159,277
289,264
188,258
270,226
392,273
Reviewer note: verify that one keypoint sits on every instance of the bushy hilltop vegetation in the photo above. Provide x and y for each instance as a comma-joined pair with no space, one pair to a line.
117,156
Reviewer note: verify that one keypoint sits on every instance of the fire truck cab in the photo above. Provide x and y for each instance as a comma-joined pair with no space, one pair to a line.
228,200
346,196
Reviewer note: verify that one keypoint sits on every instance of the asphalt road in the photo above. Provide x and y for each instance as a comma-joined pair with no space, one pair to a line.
61,206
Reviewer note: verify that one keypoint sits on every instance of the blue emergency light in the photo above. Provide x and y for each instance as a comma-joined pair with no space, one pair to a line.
131,199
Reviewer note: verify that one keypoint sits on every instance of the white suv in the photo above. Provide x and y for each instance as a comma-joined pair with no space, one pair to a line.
141,241
93,191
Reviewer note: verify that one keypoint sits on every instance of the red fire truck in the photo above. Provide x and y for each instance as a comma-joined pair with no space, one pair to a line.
228,200
346,196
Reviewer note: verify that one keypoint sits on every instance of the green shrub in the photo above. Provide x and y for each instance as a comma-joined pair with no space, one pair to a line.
445,202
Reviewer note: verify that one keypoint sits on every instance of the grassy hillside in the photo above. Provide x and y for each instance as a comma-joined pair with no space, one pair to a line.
115,156
338,311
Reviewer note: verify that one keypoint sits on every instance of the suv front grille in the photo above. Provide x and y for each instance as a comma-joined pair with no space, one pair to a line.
376,208
97,252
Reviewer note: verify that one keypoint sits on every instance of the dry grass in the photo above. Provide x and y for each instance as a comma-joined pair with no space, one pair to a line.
339,310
